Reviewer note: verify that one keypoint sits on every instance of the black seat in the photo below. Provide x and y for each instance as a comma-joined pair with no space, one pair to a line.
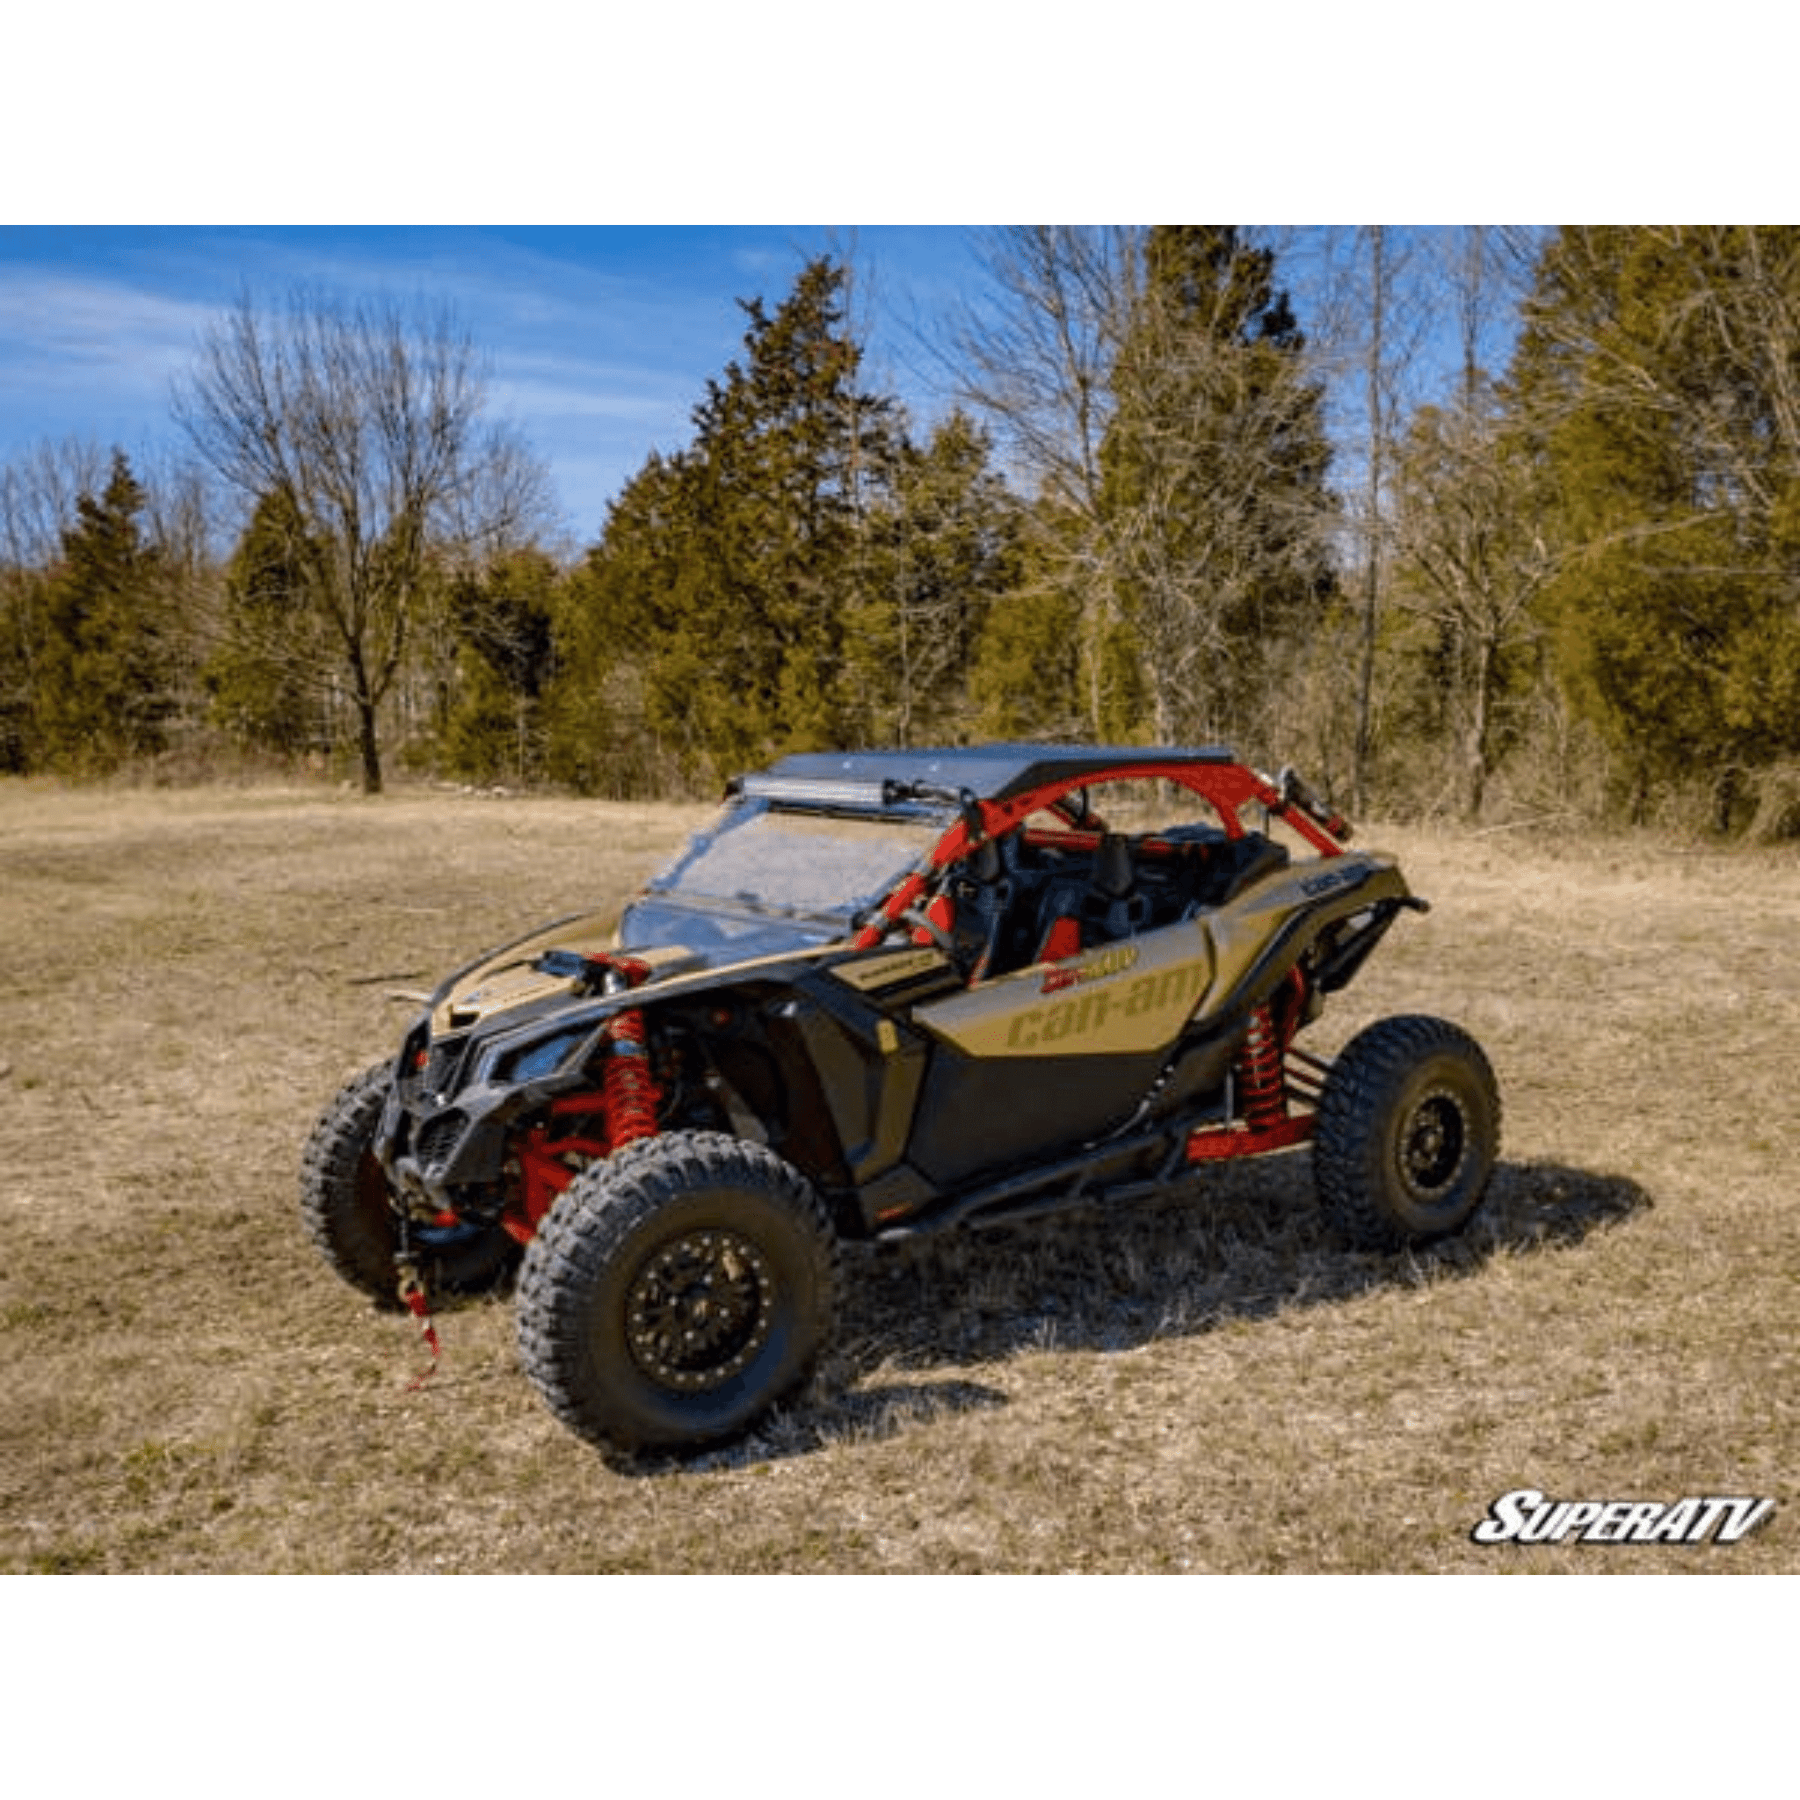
1249,859
1115,874
983,896
1209,869
1113,906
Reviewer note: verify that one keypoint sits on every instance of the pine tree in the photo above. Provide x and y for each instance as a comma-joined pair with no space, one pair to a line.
1055,661
263,674
789,451
945,542
101,694
726,574
1026,681
615,620
503,620
1660,371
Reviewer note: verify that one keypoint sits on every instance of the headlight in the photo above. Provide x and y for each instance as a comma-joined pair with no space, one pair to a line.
534,1061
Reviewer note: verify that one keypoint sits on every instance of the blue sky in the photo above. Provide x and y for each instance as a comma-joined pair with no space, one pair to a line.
602,337
599,340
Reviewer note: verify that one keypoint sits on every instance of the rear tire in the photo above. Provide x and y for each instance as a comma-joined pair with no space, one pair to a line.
1407,1135
347,1207
676,1292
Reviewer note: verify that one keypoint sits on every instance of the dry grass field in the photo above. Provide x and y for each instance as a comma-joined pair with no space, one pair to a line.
1203,1384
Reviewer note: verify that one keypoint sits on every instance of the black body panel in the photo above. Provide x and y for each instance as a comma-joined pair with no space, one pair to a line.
978,1115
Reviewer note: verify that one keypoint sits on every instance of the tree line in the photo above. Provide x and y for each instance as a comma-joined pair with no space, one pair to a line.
1507,524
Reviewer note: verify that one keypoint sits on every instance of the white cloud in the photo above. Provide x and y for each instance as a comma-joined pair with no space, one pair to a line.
55,326
90,360
598,345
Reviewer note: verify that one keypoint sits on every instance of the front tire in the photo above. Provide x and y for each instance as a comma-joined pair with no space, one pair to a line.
347,1208
1408,1131
676,1292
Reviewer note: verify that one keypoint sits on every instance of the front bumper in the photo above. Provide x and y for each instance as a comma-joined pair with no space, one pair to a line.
444,1131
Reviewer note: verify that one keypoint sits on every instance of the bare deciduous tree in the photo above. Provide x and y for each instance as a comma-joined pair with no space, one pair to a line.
38,494
368,419
1037,361
1146,385
1473,557
1212,527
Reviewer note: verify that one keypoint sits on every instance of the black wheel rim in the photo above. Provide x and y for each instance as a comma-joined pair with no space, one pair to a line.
699,1309
1432,1144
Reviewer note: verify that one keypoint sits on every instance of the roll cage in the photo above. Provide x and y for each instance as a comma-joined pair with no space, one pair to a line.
1086,883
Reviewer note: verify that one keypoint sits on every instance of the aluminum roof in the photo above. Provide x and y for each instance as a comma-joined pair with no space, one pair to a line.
988,771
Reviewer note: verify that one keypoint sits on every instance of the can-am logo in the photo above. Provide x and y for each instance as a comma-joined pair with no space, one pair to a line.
1526,1517
1090,968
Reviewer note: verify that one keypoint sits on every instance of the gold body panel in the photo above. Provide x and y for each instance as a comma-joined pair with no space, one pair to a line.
1135,996
1121,998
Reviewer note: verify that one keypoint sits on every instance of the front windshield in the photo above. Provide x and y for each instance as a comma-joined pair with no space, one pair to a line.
811,864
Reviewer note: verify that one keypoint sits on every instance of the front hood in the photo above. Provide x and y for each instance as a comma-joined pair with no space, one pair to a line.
509,977
666,937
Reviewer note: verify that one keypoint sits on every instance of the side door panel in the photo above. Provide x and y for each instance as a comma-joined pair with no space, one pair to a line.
1053,1054
1120,999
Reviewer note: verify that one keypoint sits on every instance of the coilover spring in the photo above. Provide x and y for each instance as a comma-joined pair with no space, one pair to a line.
628,1087
1264,1085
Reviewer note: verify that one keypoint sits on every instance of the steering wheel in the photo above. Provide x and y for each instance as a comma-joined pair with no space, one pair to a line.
915,917
995,859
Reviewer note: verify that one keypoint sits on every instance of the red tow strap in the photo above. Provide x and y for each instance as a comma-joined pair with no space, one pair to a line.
412,1297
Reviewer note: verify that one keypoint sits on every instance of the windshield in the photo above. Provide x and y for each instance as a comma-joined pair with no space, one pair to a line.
812,864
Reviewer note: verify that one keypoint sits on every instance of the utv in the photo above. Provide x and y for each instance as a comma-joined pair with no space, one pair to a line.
881,995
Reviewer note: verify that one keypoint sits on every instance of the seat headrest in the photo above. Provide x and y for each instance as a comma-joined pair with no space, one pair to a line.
1114,874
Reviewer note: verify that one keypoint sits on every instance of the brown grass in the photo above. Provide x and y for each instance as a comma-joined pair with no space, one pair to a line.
1207,1383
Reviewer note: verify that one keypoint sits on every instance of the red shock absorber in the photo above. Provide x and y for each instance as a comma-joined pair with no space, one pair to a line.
1265,1120
628,1087
1264,1084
